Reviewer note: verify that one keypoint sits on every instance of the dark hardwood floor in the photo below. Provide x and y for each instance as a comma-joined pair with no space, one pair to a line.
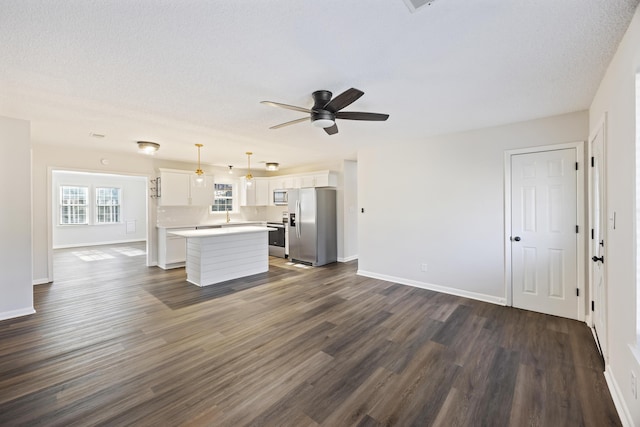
116,343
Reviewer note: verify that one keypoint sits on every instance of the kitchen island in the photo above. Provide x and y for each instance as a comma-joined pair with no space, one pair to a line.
220,254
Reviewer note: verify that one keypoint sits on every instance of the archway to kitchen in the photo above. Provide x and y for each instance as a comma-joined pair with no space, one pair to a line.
88,210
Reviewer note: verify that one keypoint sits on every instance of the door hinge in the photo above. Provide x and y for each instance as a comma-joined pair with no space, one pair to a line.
593,306
593,162
577,292
577,228
592,234
576,165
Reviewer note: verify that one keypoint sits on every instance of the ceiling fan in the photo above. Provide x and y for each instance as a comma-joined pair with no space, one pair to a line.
326,110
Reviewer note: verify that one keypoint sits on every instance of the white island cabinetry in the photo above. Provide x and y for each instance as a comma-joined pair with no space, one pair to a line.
172,249
221,254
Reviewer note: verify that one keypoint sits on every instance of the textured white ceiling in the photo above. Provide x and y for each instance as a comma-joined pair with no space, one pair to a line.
185,72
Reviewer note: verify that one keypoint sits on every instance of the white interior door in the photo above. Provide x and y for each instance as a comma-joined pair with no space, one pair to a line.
598,238
544,232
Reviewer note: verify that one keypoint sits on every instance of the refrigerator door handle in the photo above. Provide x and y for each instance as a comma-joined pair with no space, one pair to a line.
298,233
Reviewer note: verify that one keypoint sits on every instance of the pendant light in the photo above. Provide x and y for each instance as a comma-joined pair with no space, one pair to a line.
230,169
249,177
199,172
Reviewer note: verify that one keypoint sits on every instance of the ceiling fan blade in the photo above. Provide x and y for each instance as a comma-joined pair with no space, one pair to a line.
292,122
331,130
356,115
287,106
346,98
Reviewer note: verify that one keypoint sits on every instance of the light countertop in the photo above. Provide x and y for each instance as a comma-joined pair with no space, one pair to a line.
213,224
225,231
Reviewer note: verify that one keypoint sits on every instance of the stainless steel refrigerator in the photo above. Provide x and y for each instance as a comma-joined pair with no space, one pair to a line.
313,232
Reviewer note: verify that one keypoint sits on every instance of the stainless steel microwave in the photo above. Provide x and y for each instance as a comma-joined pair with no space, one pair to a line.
280,197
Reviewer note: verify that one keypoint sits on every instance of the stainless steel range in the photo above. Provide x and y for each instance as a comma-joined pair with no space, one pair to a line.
277,239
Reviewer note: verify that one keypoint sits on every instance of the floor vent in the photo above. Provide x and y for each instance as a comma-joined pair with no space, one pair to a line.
414,5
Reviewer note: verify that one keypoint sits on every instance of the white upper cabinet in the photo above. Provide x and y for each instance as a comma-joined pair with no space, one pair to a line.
174,189
316,179
247,194
255,195
202,192
262,191
180,188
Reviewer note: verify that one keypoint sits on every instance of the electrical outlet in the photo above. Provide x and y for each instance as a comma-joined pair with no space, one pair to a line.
424,267
634,385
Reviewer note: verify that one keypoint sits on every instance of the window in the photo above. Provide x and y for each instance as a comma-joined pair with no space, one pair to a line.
73,205
107,205
223,198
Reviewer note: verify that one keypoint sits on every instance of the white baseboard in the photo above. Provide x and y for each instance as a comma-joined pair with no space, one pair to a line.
111,242
347,259
444,289
42,281
16,313
618,399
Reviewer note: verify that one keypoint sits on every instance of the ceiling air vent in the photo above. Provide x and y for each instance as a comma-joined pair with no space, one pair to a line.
414,5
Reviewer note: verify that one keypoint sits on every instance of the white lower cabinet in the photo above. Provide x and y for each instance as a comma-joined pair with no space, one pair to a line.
172,250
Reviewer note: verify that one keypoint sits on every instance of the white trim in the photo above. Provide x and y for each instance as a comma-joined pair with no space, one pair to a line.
443,289
618,399
601,124
347,259
110,242
580,213
17,313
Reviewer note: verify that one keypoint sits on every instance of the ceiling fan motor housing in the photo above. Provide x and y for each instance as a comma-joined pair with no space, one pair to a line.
321,98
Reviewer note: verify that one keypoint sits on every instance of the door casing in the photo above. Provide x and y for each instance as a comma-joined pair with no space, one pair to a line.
602,335
581,219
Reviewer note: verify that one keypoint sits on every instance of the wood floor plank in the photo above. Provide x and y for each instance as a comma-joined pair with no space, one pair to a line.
115,342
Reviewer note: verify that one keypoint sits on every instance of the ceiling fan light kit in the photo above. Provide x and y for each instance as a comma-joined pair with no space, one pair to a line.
322,119
326,110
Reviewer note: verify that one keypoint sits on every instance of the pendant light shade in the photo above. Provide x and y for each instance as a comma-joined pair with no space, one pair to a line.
248,176
230,169
199,172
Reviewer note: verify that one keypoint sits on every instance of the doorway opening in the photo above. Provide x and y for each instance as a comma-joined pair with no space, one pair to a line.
89,210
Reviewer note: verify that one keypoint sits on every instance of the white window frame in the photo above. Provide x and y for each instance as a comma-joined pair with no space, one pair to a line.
77,206
118,206
234,196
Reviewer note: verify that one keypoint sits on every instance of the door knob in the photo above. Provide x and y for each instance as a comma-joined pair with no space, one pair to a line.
596,259
517,238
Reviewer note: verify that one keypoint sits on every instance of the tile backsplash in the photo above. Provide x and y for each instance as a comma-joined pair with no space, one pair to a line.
200,215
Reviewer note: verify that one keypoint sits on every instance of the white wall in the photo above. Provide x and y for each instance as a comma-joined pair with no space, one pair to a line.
16,290
616,98
349,207
440,202
133,191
